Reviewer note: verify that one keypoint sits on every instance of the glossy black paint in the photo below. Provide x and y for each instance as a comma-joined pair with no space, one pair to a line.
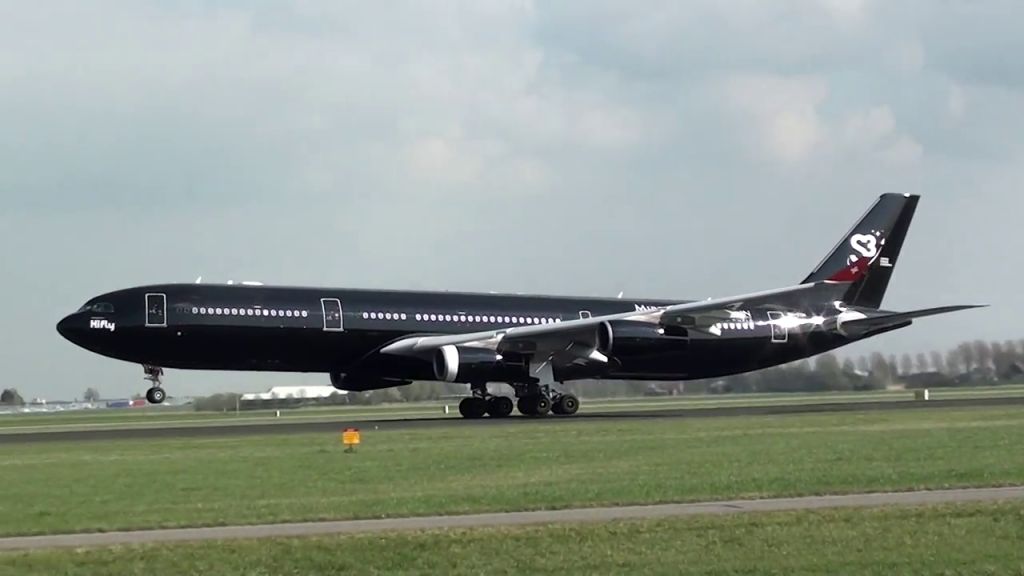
302,344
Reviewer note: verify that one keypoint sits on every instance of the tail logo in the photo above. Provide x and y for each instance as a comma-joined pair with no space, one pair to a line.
865,246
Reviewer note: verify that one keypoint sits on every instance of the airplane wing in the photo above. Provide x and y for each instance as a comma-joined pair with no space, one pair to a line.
580,336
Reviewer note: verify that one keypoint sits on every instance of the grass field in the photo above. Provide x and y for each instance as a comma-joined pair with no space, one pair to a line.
971,539
124,484
184,416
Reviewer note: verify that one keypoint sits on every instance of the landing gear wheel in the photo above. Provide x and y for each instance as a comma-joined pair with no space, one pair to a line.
499,406
534,405
541,405
155,395
473,407
525,405
566,405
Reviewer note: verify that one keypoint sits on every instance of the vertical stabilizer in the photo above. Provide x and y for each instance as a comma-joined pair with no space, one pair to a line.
868,253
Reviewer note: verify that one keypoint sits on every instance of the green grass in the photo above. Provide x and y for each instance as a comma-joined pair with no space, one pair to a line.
971,539
126,484
184,416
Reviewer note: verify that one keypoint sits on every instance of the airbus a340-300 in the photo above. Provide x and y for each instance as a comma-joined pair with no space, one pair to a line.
370,339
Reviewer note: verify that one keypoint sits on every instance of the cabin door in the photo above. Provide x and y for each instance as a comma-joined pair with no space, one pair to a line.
156,310
332,314
779,331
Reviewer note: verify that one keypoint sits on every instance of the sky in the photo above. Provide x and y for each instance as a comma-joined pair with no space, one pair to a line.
664,149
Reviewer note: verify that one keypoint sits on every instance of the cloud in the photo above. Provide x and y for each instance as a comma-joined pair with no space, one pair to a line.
873,131
784,118
782,110
846,13
956,102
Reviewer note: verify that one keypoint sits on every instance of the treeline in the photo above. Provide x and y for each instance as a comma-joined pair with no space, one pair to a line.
11,397
976,363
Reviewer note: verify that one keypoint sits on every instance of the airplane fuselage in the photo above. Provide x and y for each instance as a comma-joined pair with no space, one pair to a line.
332,330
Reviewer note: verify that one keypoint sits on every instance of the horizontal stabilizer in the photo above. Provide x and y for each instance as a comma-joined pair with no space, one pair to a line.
861,326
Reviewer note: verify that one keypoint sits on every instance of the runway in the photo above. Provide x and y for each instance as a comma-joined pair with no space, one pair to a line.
304,427
511,518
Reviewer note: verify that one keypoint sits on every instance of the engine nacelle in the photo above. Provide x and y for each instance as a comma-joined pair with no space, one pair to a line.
627,337
468,365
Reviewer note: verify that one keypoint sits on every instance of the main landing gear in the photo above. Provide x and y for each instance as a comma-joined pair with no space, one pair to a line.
483,403
534,400
155,394
540,400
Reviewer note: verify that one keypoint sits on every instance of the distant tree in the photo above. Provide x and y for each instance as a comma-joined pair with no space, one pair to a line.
849,367
881,370
91,395
938,362
216,403
922,362
831,373
998,357
906,365
954,362
1002,361
968,360
10,397
1010,349
982,354
863,364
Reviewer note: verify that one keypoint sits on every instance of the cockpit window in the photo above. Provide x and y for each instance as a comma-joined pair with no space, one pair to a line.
98,308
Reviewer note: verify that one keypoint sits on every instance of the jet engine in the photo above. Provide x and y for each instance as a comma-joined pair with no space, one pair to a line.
467,365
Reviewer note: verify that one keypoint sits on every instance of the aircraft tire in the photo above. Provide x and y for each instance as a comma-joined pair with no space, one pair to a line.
155,395
473,407
566,405
499,406
525,405
541,405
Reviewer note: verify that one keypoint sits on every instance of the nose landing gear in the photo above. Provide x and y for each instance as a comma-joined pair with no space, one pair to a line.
155,394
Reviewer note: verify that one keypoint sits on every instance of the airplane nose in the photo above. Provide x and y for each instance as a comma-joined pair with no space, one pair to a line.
66,326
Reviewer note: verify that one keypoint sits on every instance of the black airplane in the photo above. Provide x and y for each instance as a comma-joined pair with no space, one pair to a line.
370,339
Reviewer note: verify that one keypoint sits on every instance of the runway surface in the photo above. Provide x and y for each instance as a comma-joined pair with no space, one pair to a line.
511,518
268,428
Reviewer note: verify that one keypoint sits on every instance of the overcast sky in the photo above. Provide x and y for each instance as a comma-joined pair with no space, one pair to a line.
665,149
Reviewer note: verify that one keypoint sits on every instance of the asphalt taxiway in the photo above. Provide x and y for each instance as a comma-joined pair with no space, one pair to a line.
334,425
510,518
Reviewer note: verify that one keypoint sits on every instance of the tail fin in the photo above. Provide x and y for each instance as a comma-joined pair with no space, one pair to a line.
867,254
